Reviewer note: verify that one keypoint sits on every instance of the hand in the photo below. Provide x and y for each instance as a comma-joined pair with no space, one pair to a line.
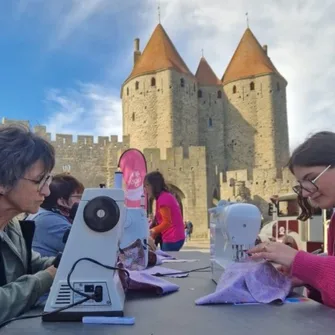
151,243
294,280
275,252
52,271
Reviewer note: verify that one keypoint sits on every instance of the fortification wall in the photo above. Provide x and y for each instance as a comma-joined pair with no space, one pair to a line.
211,135
85,159
187,173
256,123
259,186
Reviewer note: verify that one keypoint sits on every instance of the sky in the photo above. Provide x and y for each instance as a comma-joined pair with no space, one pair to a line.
63,61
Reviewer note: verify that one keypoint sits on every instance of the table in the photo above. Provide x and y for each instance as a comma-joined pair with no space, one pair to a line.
176,313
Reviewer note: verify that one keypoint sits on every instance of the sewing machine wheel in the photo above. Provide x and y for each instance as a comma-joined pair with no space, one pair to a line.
101,214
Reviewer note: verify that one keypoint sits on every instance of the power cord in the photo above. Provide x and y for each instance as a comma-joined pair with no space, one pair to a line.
86,296
182,272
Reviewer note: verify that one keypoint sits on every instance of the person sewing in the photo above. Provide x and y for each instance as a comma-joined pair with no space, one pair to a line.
313,165
170,222
26,161
53,219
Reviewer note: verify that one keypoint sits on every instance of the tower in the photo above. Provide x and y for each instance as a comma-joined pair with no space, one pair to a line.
256,130
211,123
159,97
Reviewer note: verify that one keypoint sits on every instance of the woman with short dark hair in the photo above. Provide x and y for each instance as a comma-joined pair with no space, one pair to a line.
170,222
53,219
26,161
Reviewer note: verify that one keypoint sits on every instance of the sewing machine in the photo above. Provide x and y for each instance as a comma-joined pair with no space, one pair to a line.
136,226
91,248
234,229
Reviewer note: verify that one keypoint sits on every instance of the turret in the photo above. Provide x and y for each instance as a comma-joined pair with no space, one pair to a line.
159,97
256,130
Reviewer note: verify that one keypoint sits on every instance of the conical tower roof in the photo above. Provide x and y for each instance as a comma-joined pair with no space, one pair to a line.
159,54
205,74
249,60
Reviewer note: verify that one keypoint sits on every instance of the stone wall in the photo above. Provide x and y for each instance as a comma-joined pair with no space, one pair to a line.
259,186
160,111
256,133
211,135
188,175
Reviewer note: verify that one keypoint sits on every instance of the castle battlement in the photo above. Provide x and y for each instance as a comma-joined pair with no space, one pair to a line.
71,139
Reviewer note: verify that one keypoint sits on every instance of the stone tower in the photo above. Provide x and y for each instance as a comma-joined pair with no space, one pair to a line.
211,124
159,97
256,130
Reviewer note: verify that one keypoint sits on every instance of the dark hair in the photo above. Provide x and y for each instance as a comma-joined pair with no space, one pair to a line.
20,148
317,150
61,187
156,181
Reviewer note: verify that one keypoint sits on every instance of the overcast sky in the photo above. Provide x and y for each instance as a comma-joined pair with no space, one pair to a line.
66,59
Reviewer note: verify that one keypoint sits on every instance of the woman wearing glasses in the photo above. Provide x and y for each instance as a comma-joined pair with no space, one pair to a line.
313,164
25,164
53,220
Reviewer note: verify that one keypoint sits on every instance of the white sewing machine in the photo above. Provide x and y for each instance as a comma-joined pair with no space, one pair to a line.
136,226
94,238
234,229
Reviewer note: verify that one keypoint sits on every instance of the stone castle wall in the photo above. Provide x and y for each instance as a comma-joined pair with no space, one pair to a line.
160,111
188,178
95,162
256,186
256,123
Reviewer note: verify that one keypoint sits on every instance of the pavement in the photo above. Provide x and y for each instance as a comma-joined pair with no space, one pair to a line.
196,245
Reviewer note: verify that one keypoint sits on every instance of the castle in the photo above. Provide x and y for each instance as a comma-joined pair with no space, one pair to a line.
212,139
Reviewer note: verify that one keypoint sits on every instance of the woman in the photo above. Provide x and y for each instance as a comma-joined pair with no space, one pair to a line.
168,213
53,219
313,164
26,161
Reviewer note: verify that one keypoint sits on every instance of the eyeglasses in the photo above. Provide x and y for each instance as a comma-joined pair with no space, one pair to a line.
46,180
309,185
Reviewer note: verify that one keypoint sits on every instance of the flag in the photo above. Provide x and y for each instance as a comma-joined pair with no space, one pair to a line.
133,165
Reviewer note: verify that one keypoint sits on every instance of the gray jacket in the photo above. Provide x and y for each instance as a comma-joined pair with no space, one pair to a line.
22,290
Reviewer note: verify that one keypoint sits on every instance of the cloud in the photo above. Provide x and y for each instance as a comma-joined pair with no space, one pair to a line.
90,109
299,36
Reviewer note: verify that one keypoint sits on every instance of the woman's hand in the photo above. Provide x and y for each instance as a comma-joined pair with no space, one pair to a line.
275,252
151,243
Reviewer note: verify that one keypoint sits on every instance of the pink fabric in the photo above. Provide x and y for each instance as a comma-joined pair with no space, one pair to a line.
176,232
134,168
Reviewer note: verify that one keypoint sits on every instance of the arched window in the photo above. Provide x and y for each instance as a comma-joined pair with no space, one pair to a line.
153,81
219,94
210,122
182,82
127,90
137,85
133,117
199,94
252,86
234,89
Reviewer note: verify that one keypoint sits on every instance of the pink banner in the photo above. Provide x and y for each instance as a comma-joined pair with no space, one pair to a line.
133,165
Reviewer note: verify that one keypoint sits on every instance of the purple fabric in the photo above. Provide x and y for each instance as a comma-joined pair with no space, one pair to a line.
161,255
142,281
249,282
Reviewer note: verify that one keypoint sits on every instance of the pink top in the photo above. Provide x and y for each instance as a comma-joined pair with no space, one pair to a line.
176,231
318,271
